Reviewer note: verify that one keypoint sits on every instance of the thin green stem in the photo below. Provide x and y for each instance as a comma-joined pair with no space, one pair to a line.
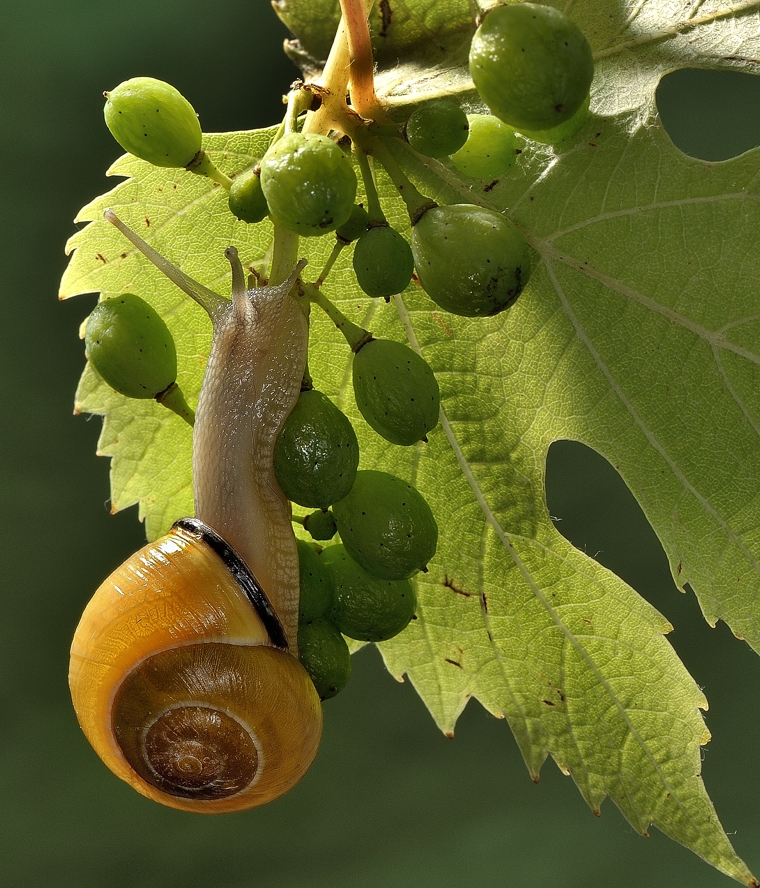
280,131
354,335
299,101
336,251
173,398
307,383
374,210
284,254
201,165
416,203
291,115
384,130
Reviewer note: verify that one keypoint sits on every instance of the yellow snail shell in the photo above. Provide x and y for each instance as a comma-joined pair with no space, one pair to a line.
184,671
187,700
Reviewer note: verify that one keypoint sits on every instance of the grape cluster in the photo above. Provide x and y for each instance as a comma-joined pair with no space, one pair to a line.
360,589
533,68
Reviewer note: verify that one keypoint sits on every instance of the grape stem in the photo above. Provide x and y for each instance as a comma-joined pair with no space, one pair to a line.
417,204
201,165
173,398
393,131
307,383
354,335
336,251
284,254
291,115
374,210
299,100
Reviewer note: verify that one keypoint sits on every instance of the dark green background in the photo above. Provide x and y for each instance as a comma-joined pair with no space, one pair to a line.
389,800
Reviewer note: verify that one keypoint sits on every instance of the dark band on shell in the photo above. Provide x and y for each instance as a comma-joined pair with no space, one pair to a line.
242,574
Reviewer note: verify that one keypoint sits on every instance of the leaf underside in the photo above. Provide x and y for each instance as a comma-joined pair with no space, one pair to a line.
638,335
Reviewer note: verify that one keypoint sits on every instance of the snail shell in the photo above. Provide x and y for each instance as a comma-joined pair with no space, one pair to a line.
178,685
183,669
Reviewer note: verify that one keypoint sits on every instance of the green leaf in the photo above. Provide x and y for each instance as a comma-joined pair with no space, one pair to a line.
637,335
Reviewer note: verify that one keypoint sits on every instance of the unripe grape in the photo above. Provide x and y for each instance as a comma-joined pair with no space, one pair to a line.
131,347
355,227
316,453
490,149
470,260
386,526
396,391
437,128
246,200
154,121
309,183
324,654
531,64
317,588
365,607
383,262
321,525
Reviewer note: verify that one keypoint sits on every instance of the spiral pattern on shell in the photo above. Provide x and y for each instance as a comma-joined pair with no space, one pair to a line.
187,699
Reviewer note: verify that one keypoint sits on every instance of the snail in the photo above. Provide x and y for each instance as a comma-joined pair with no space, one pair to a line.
184,671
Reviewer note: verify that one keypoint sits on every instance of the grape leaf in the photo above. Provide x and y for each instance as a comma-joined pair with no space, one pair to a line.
638,335
422,46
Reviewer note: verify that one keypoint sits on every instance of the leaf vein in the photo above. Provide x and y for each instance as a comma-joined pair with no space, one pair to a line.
713,337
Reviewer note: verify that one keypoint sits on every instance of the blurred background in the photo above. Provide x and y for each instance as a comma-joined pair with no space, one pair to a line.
389,800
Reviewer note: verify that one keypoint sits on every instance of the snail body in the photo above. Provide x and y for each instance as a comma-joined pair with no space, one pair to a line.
184,671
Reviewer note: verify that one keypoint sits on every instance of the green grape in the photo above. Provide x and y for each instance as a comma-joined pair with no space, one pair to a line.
470,260
153,121
531,65
383,262
386,526
316,453
396,391
246,199
321,525
324,654
365,607
309,183
564,130
131,347
437,128
490,149
316,584
355,227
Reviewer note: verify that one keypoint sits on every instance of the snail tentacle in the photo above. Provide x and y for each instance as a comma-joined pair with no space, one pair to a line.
209,300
